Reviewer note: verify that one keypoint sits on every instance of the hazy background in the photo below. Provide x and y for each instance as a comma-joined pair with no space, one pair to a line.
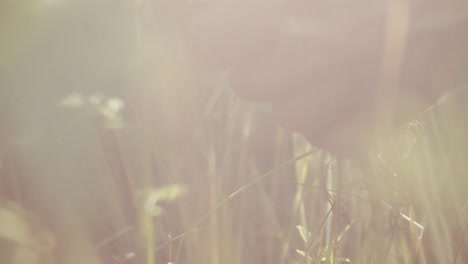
114,149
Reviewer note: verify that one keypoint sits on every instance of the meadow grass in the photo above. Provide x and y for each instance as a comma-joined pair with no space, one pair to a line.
188,173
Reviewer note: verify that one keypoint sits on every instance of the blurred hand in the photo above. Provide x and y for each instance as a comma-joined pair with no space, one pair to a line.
329,67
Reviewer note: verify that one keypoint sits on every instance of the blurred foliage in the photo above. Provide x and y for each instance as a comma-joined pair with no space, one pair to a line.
101,114
22,238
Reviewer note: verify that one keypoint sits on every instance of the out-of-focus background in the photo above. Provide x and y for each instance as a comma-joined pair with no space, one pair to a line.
114,149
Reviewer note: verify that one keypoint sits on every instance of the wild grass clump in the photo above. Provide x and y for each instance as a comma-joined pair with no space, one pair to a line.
113,150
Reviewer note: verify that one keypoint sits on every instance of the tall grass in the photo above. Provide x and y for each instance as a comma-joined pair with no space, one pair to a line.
188,173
